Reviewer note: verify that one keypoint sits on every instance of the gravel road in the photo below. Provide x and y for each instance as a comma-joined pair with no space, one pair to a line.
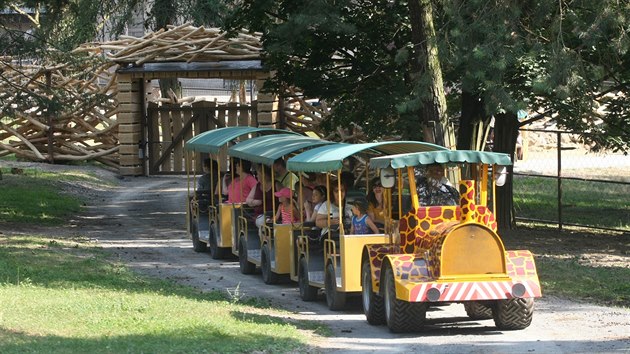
143,221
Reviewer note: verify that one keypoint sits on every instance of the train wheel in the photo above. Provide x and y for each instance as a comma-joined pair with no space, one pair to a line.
216,252
401,316
269,277
478,311
198,245
336,300
246,266
513,314
373,305
307,292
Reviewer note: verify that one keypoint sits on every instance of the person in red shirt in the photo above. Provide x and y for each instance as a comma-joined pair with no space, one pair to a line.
243,182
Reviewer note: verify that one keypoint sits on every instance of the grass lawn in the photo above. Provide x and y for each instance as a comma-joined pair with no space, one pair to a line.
584,202
67,297
33,197
570,279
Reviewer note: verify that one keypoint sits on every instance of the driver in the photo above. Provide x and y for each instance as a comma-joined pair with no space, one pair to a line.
434,188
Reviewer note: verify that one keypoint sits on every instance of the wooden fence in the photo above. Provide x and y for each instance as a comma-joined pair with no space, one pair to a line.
170,126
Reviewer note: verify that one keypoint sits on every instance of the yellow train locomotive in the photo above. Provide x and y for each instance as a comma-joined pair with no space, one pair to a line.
444,251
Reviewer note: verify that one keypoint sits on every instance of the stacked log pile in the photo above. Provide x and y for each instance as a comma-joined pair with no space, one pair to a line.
67,111
58,112
185,43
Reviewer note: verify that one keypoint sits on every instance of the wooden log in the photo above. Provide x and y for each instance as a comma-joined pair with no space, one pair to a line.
23,139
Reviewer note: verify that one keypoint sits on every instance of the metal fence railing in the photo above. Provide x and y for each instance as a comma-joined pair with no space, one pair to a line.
559,181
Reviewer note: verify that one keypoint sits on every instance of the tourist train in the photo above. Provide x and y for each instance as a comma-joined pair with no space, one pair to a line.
431,240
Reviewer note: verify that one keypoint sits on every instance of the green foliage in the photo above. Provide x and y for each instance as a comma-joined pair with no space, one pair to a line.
544,56
353,54
541,55
65,296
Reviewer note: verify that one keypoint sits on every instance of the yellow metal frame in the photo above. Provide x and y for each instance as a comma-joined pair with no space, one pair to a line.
282,247
226,225
351,252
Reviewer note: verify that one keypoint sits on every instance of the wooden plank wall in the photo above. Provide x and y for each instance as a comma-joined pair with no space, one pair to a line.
172,123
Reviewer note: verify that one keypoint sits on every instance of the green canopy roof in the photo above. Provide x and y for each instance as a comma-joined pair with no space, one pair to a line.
330,157
267,149
448,156
212,140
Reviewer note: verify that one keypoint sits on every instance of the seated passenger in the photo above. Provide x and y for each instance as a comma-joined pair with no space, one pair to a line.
206,182
287,212
317,200
243,182
261,196
435,188
352,193
361,222
284,176
321,220
376,203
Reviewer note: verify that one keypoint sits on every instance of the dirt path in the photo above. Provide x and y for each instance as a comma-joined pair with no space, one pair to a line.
143,222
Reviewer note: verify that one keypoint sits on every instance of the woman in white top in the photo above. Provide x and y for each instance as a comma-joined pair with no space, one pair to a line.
322,214
317,200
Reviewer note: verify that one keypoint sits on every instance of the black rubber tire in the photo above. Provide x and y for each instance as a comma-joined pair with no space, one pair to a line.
401,316
477,310
216,252
246,266
336,300
307,292
513,314
373,305
269,277
198,245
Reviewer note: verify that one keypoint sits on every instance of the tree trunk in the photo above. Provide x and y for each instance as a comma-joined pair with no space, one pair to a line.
432,114
505,134
170,84
472,114
165,12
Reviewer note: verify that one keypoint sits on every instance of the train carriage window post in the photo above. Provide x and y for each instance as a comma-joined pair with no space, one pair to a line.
328,204
300,199
387,205
263,189
188,172
484,185
273,192
411,176
340,202
494,189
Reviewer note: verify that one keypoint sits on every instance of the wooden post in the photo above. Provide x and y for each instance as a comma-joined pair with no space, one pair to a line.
129,120
51,126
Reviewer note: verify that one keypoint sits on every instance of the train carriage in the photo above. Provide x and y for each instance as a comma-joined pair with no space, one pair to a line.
209,220
269,249
333,262
447,253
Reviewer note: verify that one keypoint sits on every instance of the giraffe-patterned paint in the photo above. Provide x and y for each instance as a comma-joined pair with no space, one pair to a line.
422,234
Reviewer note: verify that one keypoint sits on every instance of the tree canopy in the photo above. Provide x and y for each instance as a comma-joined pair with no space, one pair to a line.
567,59
66,24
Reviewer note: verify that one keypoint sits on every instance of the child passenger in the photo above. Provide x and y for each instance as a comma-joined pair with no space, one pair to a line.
361,222
287,212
